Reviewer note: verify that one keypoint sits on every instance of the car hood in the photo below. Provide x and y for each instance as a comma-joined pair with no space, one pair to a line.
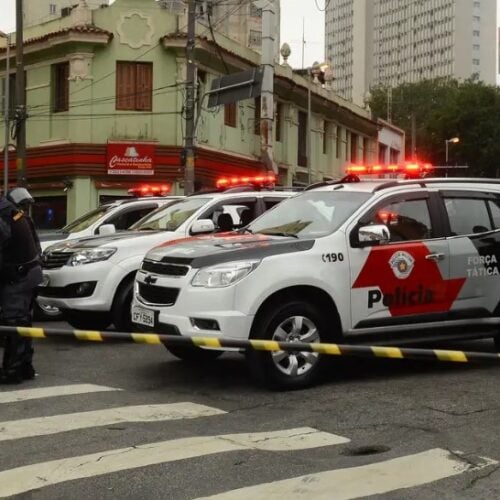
202,251
52,236
121,239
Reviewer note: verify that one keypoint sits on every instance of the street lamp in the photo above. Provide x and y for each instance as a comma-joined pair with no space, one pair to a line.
6,114
453,140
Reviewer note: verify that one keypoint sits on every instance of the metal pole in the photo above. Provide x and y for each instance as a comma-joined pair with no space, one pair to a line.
190,100
446,148
20,98
6,120
267,94
308,135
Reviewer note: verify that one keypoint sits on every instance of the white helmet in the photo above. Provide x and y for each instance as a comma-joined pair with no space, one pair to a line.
20,196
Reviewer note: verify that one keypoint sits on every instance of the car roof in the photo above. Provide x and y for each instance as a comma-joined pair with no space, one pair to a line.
373,186
128,201
245,194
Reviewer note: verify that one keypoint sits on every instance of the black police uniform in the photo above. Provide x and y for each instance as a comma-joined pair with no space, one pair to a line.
20,275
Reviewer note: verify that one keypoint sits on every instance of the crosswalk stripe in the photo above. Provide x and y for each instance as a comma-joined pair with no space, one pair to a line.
49,392
43,426
26,478
356,482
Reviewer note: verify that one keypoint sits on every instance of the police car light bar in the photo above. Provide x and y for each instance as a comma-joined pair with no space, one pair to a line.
407,168
259,180
150,190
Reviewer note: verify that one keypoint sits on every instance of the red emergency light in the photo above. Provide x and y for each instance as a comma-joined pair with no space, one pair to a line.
150,190
258,180
409,169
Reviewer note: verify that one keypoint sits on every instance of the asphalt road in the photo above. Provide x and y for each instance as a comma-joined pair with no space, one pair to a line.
129,421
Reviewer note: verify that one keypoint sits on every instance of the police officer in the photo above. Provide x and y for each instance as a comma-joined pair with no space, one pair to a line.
20,275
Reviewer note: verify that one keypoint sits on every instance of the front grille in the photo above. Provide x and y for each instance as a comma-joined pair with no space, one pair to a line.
158,295
53,260
164,269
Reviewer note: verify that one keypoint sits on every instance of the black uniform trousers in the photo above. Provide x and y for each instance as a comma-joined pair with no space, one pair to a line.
16,301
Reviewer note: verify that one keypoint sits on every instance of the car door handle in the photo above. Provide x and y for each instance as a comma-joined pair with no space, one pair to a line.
436,257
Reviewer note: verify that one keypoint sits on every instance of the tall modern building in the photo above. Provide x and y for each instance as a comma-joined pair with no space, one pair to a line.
41,11
371,42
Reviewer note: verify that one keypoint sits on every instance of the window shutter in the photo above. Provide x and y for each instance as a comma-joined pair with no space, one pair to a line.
144,87
125,86
61,87
256,116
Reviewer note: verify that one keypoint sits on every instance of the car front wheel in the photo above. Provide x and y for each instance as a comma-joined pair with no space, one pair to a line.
294,321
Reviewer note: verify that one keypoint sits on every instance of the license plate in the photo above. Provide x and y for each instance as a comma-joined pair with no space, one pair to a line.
45,280
143,316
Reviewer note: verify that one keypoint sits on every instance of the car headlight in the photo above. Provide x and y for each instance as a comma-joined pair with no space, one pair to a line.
223,275
91,255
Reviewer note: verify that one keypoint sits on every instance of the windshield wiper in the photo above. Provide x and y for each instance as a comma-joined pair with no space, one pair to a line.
285,235
244,230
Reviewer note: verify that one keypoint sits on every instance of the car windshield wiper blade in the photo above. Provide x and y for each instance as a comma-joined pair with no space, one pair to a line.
285,235
245,230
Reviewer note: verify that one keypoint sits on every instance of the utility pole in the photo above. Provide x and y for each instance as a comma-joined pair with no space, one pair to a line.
267,94
190,100
6,116
20,114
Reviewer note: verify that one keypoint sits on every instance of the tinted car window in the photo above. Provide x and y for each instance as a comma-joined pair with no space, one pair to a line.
87,219
407,220
495,212
171,217
125,219
309,215
467,215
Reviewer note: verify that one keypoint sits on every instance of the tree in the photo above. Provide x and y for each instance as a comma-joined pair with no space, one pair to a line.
443,109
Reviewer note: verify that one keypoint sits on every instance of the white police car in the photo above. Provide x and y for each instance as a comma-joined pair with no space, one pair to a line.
107,218
91,279
386,262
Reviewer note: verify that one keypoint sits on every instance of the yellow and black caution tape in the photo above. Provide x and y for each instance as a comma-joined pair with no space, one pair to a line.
259,345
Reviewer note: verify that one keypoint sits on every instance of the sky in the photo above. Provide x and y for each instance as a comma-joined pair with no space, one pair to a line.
292,14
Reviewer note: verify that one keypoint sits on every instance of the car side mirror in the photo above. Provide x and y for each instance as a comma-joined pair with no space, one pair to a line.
377,233
203,226
106,229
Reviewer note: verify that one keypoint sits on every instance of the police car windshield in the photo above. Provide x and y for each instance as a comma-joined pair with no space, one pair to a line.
86,220
171,217
310,215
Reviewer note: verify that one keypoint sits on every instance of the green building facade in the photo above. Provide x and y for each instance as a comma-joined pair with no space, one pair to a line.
105,94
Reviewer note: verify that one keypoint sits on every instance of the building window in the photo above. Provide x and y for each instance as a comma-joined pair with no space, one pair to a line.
254,11
230,114
134,86
382,153
302,140
394,156
256,117
279,120
338,144
476,62
326,136
52,9
255,38
60,87
12,94
366,145
354,148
